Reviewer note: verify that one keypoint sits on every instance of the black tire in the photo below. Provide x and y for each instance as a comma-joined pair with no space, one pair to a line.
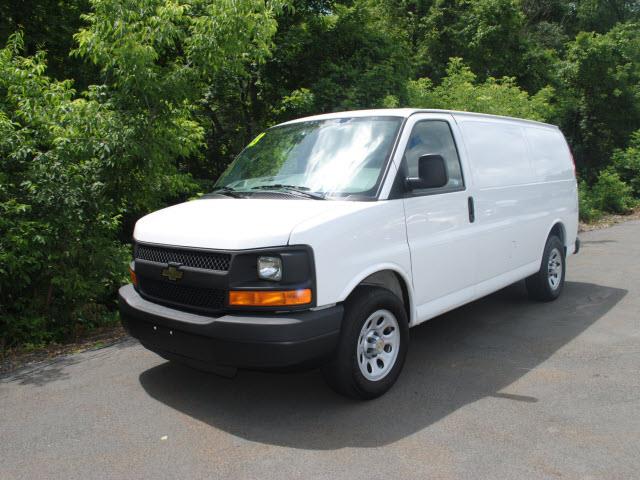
343,372
540,285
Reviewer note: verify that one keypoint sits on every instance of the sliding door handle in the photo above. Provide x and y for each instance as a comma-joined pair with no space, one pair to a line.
472,210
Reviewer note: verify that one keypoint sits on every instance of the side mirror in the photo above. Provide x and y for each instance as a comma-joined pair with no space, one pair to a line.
432,173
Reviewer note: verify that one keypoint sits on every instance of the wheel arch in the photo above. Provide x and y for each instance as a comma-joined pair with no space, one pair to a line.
558,229
390,277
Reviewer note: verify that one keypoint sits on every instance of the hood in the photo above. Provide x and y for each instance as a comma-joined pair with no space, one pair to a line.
235,224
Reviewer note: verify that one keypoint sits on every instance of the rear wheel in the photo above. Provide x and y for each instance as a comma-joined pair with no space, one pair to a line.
372,346
547,284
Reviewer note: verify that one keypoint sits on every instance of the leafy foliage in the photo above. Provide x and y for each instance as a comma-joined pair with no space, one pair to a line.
589,212
601,92
460,90
48,25
58,252
627,163
611,194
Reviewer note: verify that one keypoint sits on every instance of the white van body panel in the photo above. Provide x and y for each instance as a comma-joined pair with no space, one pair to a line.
350,247
234,224
430,242
440,239
517,208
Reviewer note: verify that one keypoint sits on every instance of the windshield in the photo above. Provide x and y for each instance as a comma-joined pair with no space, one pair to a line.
336,157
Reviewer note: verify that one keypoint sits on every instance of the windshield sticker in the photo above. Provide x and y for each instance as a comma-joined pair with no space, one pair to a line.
256,140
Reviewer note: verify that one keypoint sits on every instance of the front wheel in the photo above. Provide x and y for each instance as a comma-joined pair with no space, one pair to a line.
547,284
373,344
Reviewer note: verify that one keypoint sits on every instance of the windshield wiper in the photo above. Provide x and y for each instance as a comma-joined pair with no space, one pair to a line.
300,190
228,191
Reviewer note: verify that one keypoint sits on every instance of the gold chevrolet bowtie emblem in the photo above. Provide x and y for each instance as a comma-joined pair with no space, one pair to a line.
172,273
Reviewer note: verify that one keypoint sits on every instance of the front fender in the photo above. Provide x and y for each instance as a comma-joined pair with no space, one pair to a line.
382,267
351,244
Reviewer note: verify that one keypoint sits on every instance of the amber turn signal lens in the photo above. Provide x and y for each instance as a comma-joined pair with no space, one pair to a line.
134,279
269,298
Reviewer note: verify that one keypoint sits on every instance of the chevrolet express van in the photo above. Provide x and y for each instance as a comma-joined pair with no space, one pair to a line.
329,237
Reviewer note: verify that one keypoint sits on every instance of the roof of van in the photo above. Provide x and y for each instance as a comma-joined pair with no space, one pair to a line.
406,112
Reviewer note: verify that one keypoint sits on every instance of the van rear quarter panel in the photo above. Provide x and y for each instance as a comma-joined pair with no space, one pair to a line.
553,167
523,183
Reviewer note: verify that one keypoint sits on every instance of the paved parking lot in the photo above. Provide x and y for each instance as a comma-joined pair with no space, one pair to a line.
501,388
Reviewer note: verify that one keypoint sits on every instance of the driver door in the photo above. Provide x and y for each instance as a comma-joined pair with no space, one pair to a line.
439,225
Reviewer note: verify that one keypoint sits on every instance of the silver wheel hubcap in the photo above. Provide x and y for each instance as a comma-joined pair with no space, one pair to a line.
554,269
378,345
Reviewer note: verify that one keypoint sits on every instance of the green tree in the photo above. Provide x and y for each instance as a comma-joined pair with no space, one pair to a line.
59,259
352,56
491,35
327,56
599,93
74,167
602,15
460,90
49,25
158,58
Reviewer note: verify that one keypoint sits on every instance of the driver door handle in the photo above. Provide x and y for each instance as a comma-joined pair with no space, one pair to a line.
472,210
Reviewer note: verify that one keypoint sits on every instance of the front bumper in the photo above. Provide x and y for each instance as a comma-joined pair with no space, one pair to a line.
268,340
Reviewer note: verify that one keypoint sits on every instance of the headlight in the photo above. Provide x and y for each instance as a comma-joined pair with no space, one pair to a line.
270,268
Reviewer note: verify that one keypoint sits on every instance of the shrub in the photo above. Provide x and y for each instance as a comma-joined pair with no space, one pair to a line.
587,204
58,247
611,194
627,163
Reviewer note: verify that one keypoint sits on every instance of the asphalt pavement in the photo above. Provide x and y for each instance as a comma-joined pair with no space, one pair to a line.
503,388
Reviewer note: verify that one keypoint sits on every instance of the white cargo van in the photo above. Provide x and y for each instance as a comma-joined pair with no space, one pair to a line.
330,236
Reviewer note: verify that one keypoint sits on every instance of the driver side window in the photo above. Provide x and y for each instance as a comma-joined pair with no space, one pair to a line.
434,137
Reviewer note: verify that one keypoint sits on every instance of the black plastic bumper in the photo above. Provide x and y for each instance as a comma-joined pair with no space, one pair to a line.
251,341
